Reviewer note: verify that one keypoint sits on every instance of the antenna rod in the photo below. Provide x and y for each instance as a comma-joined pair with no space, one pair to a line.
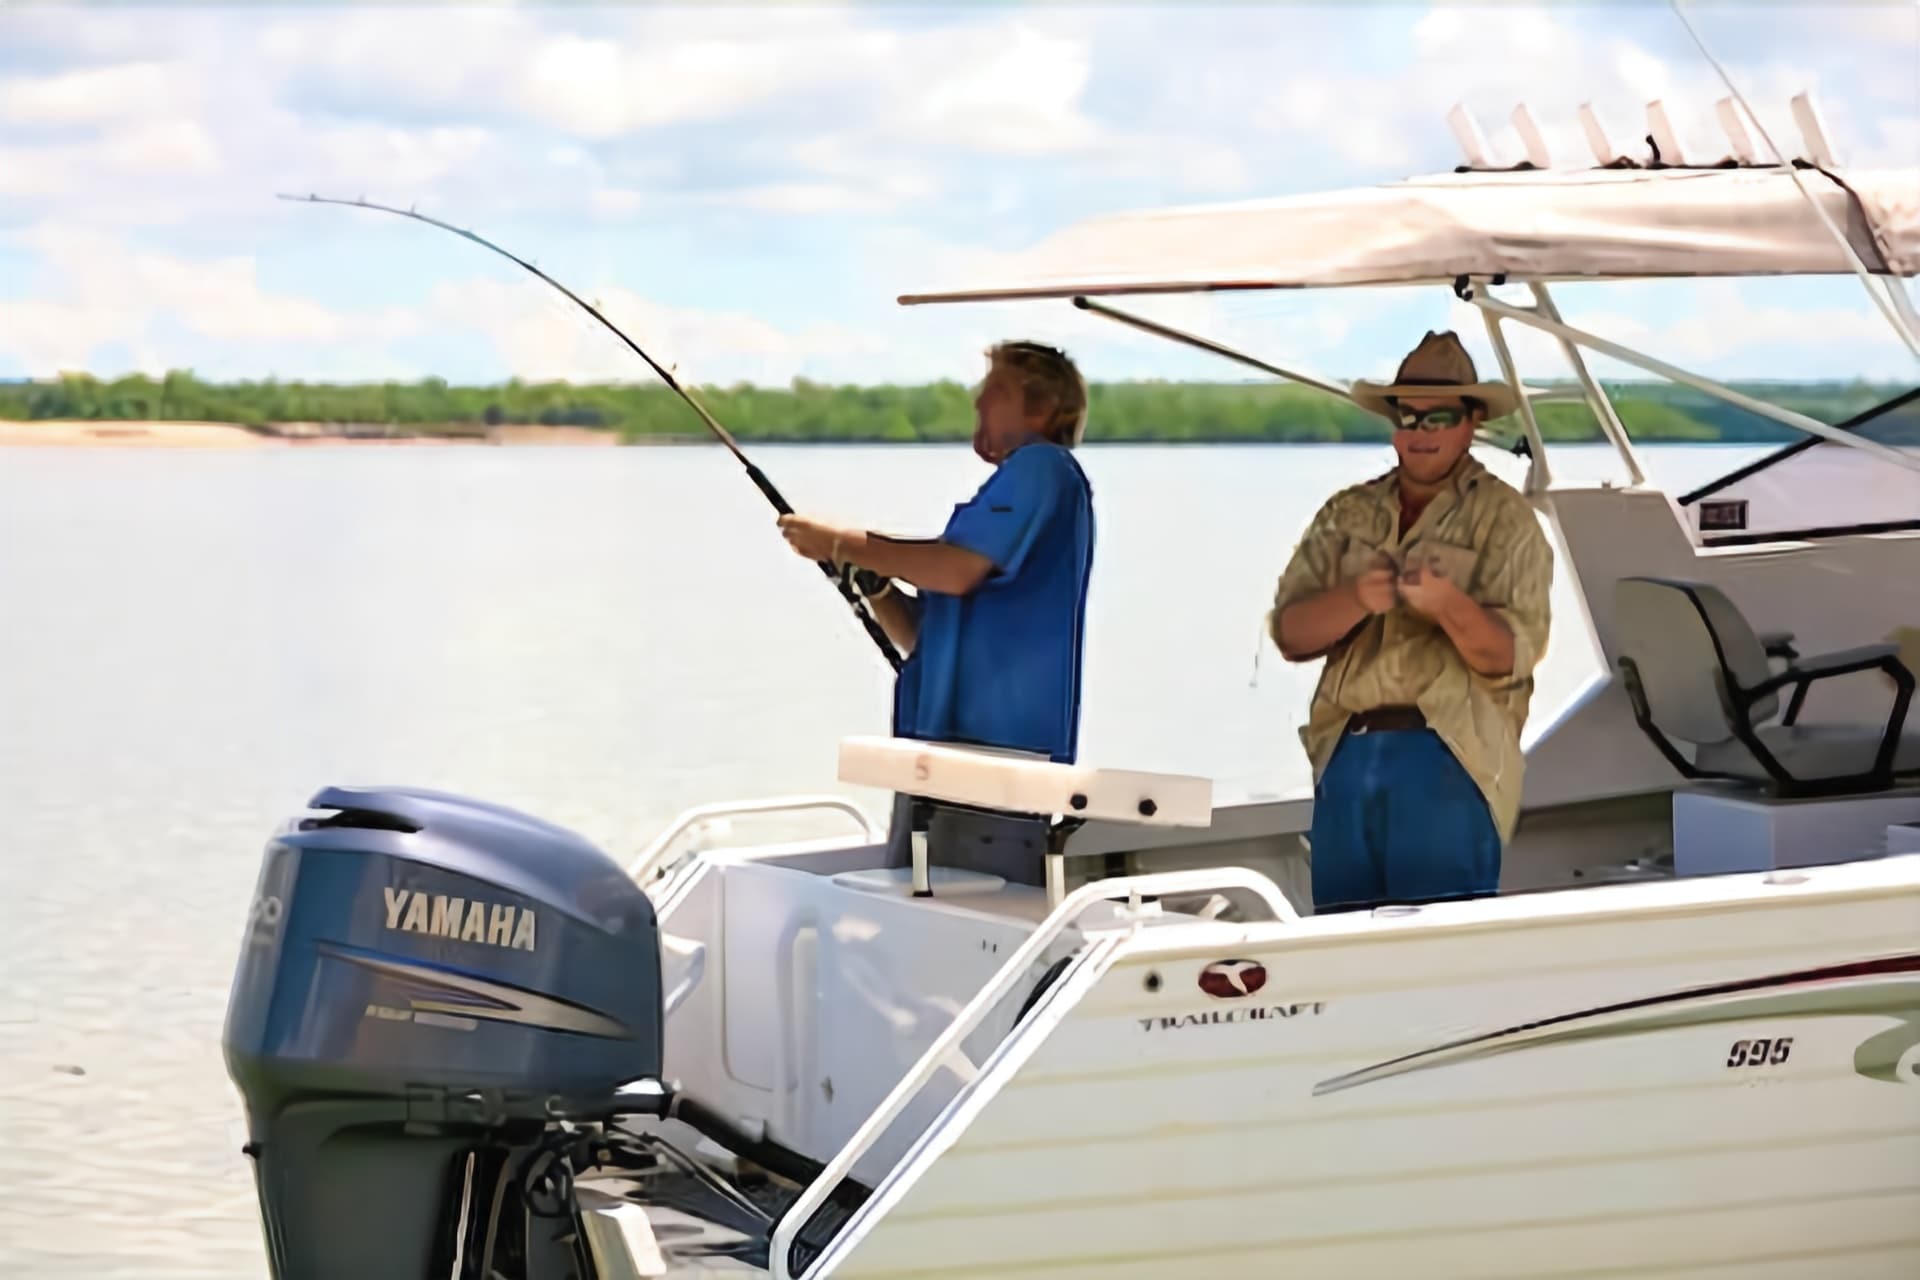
1888,308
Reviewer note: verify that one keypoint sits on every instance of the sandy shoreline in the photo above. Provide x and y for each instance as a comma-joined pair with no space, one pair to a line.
174,435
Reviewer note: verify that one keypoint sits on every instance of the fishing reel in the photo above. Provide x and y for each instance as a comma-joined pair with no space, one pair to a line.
869,584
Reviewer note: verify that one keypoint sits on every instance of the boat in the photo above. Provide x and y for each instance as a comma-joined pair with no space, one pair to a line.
1682,1040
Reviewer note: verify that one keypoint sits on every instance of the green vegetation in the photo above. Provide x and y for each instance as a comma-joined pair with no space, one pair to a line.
812,412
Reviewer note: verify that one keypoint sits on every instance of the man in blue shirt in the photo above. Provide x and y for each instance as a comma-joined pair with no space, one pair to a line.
993,636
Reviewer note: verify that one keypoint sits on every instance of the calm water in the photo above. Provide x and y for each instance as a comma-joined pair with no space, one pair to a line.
192,643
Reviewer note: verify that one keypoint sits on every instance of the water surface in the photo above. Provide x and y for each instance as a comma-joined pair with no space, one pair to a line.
192,643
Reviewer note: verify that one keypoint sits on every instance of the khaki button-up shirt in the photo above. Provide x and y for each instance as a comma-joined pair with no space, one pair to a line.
1490,541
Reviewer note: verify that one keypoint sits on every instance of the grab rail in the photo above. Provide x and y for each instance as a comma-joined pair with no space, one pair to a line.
947,1045
647,861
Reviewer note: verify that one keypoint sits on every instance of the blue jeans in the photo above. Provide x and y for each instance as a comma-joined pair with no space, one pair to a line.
1396,819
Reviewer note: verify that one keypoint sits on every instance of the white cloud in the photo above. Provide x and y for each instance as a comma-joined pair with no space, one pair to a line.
199,134
163,146
77,177
1893,23
395,158
102,291
396,60
983,125
35,172
61,35
556,340
1005,85
96,95
591,75
1184,167
1012,90
826,197
418,106
847,181
1378,117
615,202
602,89
1555,60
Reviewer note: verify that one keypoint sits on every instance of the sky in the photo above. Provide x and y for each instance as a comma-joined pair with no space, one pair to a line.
746,190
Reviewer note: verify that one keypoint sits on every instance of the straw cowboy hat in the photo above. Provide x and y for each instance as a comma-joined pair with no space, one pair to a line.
1438,366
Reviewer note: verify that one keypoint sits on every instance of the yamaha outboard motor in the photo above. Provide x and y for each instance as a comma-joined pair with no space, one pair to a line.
428,988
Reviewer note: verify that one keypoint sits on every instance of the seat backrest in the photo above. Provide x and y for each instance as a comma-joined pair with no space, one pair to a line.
1681,636
1740,646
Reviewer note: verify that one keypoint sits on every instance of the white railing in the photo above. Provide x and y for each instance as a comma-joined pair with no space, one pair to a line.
946,1049
650,859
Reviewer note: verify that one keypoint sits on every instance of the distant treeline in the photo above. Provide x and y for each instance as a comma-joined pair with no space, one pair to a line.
809,411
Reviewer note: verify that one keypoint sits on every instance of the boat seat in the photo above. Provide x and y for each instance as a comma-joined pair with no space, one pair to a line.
1016,782
1697,672
1006,813
1813,751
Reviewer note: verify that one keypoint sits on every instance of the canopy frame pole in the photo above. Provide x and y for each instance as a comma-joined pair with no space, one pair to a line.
1194,340
1539,475
1896,291
1597,400
1159,330
1673,373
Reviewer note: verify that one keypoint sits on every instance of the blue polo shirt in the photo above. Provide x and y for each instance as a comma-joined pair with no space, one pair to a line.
1001,667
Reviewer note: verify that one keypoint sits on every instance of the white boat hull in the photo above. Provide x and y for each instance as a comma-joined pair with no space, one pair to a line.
1600,1117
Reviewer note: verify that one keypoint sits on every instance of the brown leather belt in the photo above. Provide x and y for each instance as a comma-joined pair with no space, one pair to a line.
1382,719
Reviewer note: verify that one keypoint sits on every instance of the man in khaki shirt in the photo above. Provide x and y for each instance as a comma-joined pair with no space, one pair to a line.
1426,592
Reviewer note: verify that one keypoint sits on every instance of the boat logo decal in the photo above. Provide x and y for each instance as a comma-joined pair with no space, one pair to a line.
1232,979
1887,988
441,995
1234,1016
496,924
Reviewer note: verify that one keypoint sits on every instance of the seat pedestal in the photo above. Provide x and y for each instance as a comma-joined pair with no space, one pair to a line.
1717,830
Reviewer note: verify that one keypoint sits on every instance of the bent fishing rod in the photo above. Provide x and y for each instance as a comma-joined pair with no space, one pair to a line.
720,433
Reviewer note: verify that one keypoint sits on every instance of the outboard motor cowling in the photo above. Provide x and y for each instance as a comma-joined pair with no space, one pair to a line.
427,984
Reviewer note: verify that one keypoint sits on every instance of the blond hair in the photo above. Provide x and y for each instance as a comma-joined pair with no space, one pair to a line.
1049,380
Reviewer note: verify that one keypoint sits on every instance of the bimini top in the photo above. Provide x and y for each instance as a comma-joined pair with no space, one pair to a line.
1594,224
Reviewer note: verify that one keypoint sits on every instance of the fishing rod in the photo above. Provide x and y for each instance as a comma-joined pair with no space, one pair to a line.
842,582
